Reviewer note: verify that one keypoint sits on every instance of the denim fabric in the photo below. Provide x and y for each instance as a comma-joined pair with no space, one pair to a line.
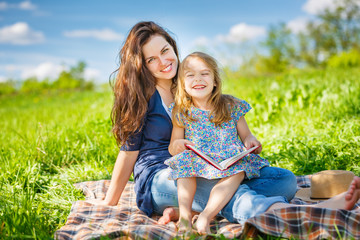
253,196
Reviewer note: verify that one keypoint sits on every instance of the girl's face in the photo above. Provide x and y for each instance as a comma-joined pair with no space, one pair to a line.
160,58
198,80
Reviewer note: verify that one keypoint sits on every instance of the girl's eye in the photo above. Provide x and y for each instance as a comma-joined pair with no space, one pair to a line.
165,50
205,74
189,75
150,60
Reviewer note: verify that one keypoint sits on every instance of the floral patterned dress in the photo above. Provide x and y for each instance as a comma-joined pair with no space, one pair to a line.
219,143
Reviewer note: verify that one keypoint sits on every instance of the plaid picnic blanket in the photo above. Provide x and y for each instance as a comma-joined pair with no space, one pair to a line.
87,221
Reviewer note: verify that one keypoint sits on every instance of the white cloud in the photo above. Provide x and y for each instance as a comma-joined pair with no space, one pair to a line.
10,68
91,74
4,6
318,6
25,5
242,32
201,41
42,71
3,79
297,25
20,34
103,34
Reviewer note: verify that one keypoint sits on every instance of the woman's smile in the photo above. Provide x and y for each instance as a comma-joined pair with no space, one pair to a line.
160,58
167,69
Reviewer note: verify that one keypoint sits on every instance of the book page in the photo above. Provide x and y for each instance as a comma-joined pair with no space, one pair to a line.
230,161
227,162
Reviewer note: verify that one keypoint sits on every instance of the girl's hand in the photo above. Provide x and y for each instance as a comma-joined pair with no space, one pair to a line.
179,145
251,141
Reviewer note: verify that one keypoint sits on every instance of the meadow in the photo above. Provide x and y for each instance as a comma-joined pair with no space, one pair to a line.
307,121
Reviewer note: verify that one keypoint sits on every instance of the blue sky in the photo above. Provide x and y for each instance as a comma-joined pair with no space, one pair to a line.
42,37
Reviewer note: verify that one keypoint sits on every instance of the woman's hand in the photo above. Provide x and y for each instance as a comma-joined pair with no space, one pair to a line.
179,145
251,141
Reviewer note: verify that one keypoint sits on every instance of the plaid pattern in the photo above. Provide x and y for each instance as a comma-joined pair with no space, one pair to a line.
87,221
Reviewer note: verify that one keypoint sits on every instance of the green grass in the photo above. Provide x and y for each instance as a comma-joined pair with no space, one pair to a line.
306,121
49,142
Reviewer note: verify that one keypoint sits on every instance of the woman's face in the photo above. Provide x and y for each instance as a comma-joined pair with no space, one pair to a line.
160,58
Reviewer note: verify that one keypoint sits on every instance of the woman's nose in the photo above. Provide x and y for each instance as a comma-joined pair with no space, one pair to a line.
162,60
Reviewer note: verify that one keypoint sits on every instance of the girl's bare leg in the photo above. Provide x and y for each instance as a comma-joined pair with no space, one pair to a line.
345,200
220,195
186,191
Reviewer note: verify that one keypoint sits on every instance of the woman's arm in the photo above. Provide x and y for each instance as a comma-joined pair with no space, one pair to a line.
246,136
177,142
123,168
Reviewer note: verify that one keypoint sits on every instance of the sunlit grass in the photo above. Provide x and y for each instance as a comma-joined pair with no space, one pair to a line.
306,121
50,142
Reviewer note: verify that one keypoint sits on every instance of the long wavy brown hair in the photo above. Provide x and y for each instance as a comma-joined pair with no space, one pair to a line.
221,103
134,83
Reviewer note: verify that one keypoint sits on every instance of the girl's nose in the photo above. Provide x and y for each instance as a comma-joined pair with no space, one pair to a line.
197,77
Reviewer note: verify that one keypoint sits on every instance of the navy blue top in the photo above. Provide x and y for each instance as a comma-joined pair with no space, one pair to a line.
152,142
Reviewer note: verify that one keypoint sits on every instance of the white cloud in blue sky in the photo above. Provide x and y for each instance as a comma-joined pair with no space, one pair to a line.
20,34
105,34
40,37
242,32
25,5
298,25
317,6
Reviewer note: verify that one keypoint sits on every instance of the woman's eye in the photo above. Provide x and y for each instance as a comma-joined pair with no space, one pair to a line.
205,74
150,60
165,50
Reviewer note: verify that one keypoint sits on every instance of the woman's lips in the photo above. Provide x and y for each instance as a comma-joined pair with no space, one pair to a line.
167,69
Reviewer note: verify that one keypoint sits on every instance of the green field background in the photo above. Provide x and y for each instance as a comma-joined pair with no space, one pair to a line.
307,121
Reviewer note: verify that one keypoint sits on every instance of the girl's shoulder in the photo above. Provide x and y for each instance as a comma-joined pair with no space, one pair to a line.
237,103
239,107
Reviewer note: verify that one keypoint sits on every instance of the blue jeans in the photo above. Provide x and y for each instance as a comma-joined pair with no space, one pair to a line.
253,196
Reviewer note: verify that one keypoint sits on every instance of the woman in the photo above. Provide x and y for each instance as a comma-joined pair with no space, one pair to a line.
142,125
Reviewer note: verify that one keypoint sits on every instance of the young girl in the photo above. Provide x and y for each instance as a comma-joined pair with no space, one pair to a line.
214,123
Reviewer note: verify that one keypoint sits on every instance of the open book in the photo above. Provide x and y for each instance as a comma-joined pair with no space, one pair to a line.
225,164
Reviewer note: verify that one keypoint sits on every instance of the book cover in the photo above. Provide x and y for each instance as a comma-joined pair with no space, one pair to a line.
226,163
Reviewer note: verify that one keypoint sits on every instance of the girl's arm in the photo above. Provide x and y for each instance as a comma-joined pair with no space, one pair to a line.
246,136
123,168
177,142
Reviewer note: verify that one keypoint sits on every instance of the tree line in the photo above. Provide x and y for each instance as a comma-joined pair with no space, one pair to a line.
332,39
72,79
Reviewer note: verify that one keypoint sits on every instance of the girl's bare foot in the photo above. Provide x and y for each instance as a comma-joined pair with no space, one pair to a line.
202,225
353,194
169,214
